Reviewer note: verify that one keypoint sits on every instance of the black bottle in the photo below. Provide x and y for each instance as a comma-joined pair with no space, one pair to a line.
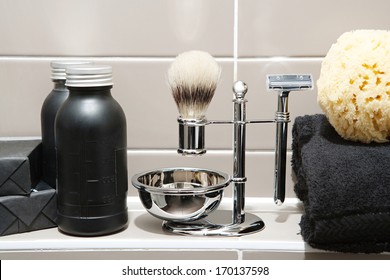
48,113
91,155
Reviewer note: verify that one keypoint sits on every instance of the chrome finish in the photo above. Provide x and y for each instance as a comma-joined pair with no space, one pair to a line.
282,119
216,224
290,82
181,194
261,121
284,84
239,132
240,89
191,136
185,198
219,122
238,223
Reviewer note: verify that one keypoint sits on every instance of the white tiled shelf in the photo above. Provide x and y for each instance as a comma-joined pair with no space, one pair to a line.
145,239
145,232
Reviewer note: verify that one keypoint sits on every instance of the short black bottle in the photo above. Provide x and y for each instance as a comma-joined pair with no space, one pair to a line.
48,113
91,155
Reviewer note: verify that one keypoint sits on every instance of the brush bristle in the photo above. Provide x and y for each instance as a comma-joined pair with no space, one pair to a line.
193,78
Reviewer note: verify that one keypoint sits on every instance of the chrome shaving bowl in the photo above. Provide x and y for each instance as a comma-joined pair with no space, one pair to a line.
181,194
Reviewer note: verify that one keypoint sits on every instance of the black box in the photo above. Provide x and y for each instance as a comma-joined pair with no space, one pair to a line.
23,213
20,166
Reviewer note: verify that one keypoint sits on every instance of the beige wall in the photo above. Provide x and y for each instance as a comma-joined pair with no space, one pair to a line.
140,38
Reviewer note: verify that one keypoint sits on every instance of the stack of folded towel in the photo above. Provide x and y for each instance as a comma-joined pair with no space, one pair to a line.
345,188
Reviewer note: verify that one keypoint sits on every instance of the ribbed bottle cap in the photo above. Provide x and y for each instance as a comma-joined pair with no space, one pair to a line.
89,76
58,68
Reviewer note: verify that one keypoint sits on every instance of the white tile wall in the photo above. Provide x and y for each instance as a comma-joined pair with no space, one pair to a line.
122,28
303,27
140,38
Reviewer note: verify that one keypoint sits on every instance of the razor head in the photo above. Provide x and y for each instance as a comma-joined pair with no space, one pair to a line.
290,82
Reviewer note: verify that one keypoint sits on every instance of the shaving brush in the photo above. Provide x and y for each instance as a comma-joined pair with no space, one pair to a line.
193,78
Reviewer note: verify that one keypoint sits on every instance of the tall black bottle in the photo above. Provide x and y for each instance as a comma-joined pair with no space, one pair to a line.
91,155
48,114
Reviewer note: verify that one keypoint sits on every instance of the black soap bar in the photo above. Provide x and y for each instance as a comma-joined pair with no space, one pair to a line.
20,166
23,213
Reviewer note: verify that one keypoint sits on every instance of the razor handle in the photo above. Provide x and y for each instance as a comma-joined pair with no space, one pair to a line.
282,119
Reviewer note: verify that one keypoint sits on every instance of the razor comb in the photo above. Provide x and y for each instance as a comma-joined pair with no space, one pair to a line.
284,84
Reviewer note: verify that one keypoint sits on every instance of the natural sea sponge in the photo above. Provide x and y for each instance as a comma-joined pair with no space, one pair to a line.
354,86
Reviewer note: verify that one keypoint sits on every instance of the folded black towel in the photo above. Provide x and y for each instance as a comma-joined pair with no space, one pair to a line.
345,188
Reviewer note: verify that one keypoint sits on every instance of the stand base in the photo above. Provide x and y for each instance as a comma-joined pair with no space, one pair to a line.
207,226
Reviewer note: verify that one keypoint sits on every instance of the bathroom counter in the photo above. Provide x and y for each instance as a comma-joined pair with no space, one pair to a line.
145,239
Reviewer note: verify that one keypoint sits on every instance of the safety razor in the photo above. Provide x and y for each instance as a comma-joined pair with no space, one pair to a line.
284,84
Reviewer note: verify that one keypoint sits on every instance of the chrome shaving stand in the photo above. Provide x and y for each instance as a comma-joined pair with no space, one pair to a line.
191,142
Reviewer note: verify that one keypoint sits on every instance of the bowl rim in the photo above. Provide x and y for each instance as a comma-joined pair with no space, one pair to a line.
150,189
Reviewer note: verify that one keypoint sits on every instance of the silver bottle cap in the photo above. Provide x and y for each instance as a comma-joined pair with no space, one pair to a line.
89,76
58,67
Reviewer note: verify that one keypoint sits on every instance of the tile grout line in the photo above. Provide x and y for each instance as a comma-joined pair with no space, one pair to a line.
240,254
235,59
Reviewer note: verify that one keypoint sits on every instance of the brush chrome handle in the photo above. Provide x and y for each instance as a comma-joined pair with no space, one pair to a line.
191,136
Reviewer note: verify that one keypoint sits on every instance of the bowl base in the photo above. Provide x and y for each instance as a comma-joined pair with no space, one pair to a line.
216,224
